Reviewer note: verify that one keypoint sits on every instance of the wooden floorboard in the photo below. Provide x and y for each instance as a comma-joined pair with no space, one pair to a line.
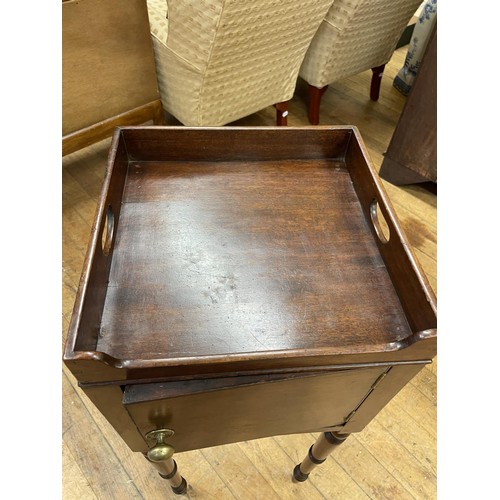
74,482
393,458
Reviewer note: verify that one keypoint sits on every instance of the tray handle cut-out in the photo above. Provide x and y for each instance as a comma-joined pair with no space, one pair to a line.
108,230
379,222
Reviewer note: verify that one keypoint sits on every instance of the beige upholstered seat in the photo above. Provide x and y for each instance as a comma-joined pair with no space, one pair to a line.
220,60
356,35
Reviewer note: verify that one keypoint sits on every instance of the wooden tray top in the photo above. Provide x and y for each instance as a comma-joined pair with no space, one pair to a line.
237,257
220,250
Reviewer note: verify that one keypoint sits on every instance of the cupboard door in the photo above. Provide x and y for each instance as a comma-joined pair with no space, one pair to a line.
217,411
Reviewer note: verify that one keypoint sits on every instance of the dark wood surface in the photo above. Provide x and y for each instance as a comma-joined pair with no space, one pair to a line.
244,257
408,278
92,289
251,264
109,400
396,378
98,464
237,143
376,82
242,408
253,249
412,153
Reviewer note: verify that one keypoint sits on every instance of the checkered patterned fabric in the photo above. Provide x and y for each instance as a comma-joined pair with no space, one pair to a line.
355,35
220,60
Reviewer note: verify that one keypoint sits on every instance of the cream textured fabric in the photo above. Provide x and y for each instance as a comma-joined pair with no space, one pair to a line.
220,60
355,35
158,22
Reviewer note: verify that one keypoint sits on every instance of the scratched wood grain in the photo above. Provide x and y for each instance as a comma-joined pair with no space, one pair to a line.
396,455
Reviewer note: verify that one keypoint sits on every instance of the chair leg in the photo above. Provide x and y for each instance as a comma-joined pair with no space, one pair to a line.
281,113
376,81
315,95
318,453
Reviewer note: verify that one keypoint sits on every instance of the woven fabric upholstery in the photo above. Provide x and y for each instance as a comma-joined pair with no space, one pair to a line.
158,22
355,35
220,60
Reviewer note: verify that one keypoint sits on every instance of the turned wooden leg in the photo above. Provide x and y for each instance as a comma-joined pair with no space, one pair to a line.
281,113
315,95
167,469
161,458
318,453
376,81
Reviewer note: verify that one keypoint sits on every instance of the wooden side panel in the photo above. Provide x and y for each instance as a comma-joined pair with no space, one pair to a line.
412,153
397,377
108,400
93,454
86,319
416,296
256,410
108,63
235,144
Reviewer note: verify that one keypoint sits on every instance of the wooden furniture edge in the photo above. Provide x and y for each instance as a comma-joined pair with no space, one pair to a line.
108,399
94,257
417,124
89,365
396,252
85,137
398,174
396,378
149,143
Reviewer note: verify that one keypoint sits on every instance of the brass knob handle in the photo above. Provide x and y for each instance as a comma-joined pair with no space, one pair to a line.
161,451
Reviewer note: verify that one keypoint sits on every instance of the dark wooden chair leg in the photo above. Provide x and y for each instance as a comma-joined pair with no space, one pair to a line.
317,454
315,95
168,470
376,81
281,113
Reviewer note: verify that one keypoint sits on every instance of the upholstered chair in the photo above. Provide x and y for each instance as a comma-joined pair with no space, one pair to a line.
220,60
355,36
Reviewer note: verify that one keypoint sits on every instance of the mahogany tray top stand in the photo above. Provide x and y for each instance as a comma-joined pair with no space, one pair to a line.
242,283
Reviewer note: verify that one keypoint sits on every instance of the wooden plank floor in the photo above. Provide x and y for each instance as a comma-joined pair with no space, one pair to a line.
393,458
